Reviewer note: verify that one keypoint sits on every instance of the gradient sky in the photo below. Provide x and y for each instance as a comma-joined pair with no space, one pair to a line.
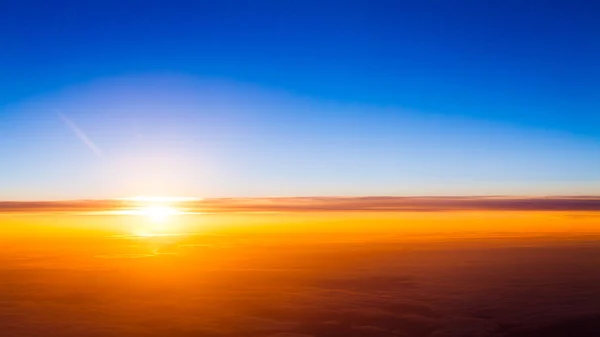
105,99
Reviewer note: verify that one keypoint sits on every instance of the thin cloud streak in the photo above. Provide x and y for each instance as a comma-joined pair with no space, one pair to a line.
82,136
323,204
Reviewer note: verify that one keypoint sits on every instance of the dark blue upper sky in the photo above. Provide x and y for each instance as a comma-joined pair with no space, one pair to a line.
527,66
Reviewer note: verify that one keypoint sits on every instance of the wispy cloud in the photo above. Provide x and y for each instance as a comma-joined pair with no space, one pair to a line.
325,204
67,206
82,136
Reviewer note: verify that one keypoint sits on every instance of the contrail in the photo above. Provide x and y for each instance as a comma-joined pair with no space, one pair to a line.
81,135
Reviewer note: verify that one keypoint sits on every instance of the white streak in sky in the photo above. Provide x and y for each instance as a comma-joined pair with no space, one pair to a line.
82,136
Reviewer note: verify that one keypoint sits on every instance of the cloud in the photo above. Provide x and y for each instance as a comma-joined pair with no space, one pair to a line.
324,204
454,292
82,136
65,206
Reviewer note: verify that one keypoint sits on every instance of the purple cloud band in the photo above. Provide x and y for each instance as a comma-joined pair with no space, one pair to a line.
325,204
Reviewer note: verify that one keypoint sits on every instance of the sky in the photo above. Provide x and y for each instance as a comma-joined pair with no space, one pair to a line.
104,99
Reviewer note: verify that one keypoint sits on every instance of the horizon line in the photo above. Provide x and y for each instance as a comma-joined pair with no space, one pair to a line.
589,203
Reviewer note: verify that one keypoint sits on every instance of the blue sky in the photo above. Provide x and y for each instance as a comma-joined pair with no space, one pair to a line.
269,98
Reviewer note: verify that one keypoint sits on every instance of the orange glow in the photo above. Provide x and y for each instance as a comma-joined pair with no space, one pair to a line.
163,218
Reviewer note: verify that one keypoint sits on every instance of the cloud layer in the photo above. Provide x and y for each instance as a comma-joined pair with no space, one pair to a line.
230,286
324,204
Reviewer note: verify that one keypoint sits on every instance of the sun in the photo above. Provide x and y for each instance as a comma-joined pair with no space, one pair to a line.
158,220
156,213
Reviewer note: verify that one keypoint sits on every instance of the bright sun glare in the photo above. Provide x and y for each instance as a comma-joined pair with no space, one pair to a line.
157,214
158,220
